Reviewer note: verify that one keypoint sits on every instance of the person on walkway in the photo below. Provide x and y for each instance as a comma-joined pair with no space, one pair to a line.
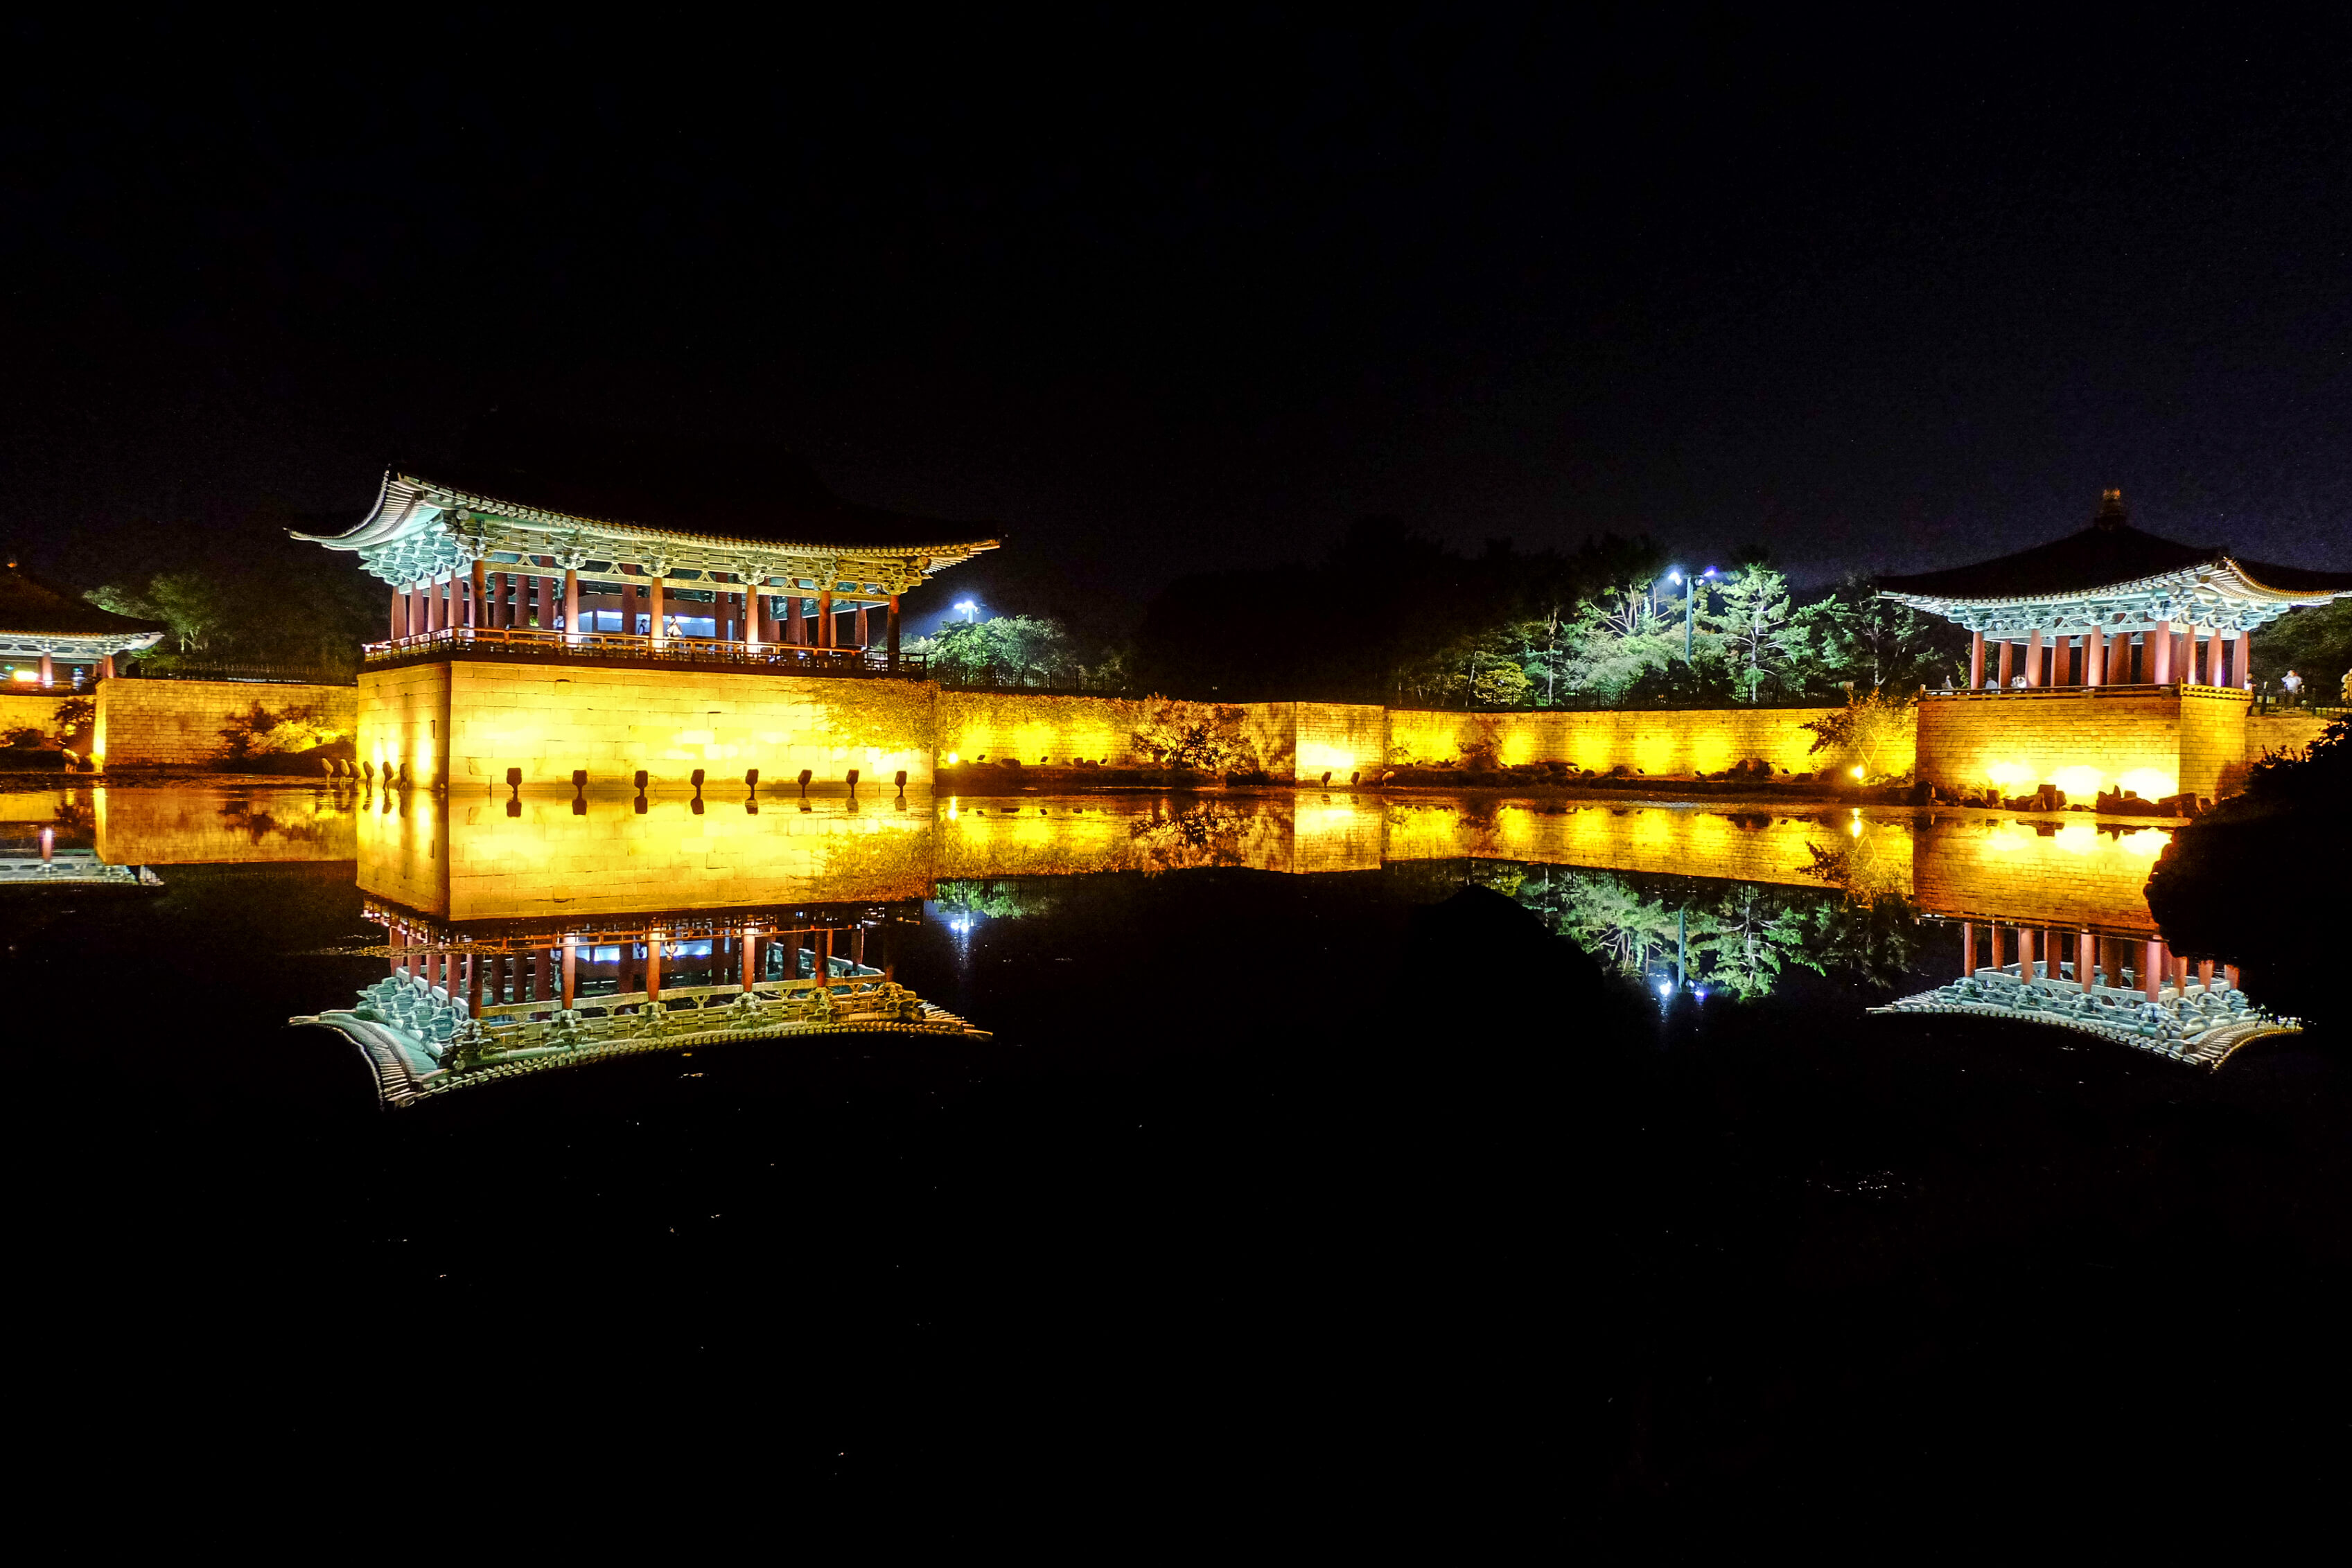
2293,683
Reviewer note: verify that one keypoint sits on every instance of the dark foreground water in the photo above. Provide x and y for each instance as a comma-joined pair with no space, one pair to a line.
1292,1194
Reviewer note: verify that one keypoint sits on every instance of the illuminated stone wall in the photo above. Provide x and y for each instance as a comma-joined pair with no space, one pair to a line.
2157,742
2213,740
2063,873
183,827
1338,738
550,719
177,723
2292,731
1679,741
30,710
973,727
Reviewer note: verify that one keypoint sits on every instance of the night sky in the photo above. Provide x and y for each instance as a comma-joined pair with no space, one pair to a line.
1156,295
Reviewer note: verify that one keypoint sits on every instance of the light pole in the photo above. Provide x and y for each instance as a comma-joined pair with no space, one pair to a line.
1690,604
971,610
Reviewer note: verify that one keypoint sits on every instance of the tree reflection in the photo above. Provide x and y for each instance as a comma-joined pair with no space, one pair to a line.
1739,938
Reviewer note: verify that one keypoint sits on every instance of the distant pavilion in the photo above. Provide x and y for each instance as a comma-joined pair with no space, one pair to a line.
574,543
54,626
2114,606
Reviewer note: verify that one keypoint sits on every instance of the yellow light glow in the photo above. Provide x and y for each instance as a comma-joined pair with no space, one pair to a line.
954,760
2149,783
2147,843
25,675
2010,775
1857,770
2080,781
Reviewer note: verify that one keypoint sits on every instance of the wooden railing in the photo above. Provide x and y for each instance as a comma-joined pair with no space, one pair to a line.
531,641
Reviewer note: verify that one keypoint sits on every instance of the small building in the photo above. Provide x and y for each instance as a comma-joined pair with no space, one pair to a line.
55,638
2108,660
566,601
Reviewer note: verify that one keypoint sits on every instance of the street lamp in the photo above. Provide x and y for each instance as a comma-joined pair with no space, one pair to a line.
1690,602
971,610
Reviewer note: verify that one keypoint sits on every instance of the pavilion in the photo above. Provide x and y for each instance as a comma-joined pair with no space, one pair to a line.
566,542
2120,665
2114,606
55,626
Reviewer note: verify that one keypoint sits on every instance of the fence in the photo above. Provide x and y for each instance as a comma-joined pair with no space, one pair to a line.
639,648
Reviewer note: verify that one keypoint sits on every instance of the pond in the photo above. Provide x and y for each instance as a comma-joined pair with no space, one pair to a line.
1088,1124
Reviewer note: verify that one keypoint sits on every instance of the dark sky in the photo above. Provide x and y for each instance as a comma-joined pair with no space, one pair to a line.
1171,293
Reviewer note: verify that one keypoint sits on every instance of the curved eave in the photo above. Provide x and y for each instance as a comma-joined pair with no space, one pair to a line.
112,642
2224,576
405,504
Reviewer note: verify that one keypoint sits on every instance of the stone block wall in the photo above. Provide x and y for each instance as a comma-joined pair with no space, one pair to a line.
2083,740
2282,732
31,710
2213,740
468,722
1677,741
976,727
178,723
1338,738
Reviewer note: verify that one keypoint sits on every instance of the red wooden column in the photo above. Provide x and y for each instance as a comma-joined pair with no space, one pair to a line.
857,627
479,590
2025,953
2086,958
2230,975
1992,938
1975,652
2205,973
571,970
2151,977
2095,657
750,956
2005,646
894,633
829,634
655,591
1968,948
399,613
572,603
2033,659
652,966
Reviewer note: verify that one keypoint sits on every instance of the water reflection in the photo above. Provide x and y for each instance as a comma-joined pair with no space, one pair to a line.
2048,911
463,1007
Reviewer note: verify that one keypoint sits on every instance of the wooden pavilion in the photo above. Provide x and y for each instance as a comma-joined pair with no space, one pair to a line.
50,626
2111,605
570,542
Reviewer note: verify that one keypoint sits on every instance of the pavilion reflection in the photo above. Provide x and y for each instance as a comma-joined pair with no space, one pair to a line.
45,840
465,1004
1727,899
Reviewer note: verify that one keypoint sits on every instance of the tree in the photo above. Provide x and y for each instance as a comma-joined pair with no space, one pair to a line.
1877,644
1753,628
1870,731
1616,641
1005,651
1208,736
191,603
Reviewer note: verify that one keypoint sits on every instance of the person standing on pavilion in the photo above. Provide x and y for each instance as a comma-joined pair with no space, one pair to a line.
2292,684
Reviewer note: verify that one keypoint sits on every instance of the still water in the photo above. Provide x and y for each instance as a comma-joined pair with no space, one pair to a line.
1086,1111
